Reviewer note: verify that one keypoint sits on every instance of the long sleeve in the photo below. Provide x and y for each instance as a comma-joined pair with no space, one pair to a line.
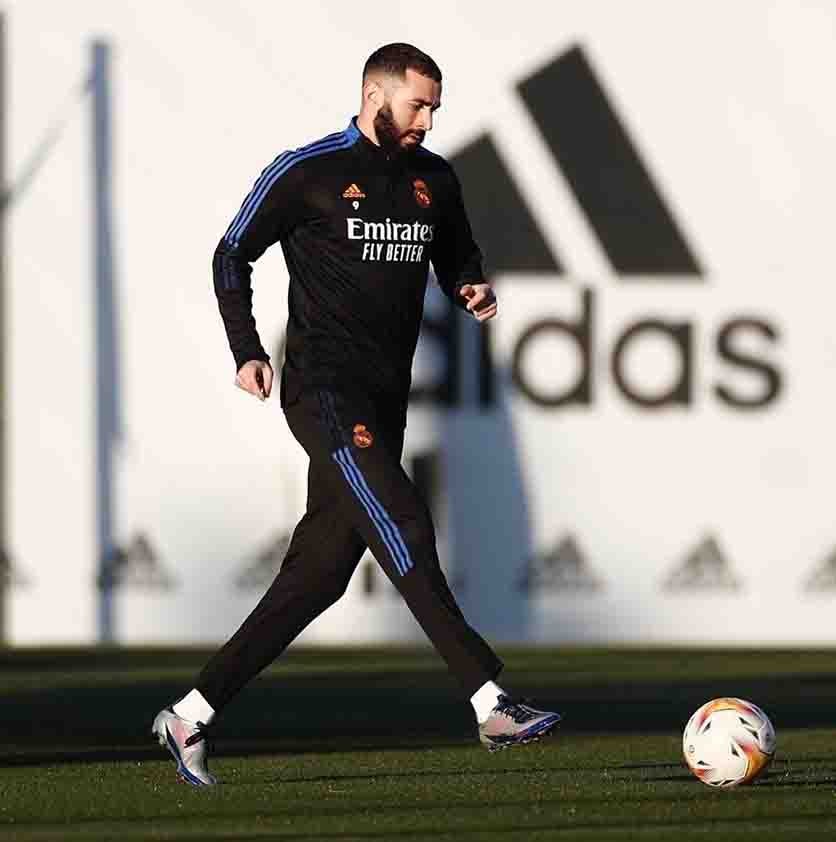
268,212
232,274
455,256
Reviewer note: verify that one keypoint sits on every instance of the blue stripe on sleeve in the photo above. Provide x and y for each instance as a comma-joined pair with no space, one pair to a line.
272,173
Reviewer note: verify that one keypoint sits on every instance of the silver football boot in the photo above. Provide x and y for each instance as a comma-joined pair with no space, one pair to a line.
187,743
512,723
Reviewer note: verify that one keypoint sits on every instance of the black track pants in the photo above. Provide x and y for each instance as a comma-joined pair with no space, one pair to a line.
358,496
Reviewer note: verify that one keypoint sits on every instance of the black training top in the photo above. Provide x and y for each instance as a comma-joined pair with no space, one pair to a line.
358,228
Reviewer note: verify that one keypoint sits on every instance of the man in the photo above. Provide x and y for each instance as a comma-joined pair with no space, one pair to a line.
360,215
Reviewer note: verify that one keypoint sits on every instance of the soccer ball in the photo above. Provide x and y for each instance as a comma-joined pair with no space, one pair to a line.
728,742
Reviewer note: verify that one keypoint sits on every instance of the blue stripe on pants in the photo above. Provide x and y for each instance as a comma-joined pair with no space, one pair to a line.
386,528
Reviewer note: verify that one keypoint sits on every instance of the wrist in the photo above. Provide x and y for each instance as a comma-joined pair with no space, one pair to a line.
242,358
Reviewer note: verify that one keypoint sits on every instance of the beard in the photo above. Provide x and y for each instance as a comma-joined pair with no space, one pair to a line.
389,134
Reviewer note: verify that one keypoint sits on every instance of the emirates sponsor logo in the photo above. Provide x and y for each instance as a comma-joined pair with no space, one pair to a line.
391,242
389,231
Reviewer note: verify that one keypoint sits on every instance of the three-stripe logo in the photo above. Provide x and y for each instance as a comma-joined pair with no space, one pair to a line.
614,188
638,235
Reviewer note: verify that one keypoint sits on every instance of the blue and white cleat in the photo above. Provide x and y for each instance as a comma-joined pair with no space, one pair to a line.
514,723
187,743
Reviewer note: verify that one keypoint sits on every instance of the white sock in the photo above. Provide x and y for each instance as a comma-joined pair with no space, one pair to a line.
485,699
194,708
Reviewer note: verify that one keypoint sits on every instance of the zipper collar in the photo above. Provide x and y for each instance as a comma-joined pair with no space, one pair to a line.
371,150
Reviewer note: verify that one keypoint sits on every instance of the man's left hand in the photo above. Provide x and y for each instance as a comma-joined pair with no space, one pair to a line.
481,300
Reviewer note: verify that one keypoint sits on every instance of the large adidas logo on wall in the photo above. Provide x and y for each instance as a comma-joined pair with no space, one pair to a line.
640,239
593,150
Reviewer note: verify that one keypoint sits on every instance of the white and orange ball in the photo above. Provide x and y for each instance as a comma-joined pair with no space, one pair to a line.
728,742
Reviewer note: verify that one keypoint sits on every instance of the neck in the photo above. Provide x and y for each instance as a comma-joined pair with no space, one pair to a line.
365,122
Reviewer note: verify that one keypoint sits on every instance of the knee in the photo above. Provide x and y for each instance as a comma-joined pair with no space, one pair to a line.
323,576
332,588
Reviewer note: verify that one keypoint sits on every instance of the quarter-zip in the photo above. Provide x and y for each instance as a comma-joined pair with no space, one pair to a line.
392,167
390,189
396,172
392,173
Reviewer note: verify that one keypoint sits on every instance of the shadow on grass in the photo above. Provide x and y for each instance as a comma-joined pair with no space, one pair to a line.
434,774
412,706
484,830
782,773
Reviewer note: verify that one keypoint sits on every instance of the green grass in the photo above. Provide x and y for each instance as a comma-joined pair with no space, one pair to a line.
377,744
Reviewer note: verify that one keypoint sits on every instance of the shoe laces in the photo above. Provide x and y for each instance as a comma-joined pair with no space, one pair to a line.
201,733
516,709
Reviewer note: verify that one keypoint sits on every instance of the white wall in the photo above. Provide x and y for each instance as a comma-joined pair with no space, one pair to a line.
728,106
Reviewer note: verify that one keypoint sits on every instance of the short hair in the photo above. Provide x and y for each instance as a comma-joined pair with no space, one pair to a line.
396,59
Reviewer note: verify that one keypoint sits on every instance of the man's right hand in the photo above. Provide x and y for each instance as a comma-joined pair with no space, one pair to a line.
255,377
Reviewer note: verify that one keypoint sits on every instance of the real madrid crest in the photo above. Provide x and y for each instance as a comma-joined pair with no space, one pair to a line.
422,193
362,436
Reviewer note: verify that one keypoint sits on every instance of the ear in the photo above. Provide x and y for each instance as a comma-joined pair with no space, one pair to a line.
373,93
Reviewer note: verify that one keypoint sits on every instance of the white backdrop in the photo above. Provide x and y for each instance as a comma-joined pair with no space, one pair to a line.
728,107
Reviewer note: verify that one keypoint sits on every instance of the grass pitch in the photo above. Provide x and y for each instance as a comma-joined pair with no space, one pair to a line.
377,744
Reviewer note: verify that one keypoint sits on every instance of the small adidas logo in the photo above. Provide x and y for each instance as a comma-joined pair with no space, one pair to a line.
135,565
705,568
264,565
564,568
823,578
10,575
353,192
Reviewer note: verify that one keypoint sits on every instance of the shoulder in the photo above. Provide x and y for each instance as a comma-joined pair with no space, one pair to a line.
327,145
298,160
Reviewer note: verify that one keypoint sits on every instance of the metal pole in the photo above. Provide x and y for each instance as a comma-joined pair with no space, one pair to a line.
5,558
107,398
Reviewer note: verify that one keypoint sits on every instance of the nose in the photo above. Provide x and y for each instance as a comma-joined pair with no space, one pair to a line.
425,120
